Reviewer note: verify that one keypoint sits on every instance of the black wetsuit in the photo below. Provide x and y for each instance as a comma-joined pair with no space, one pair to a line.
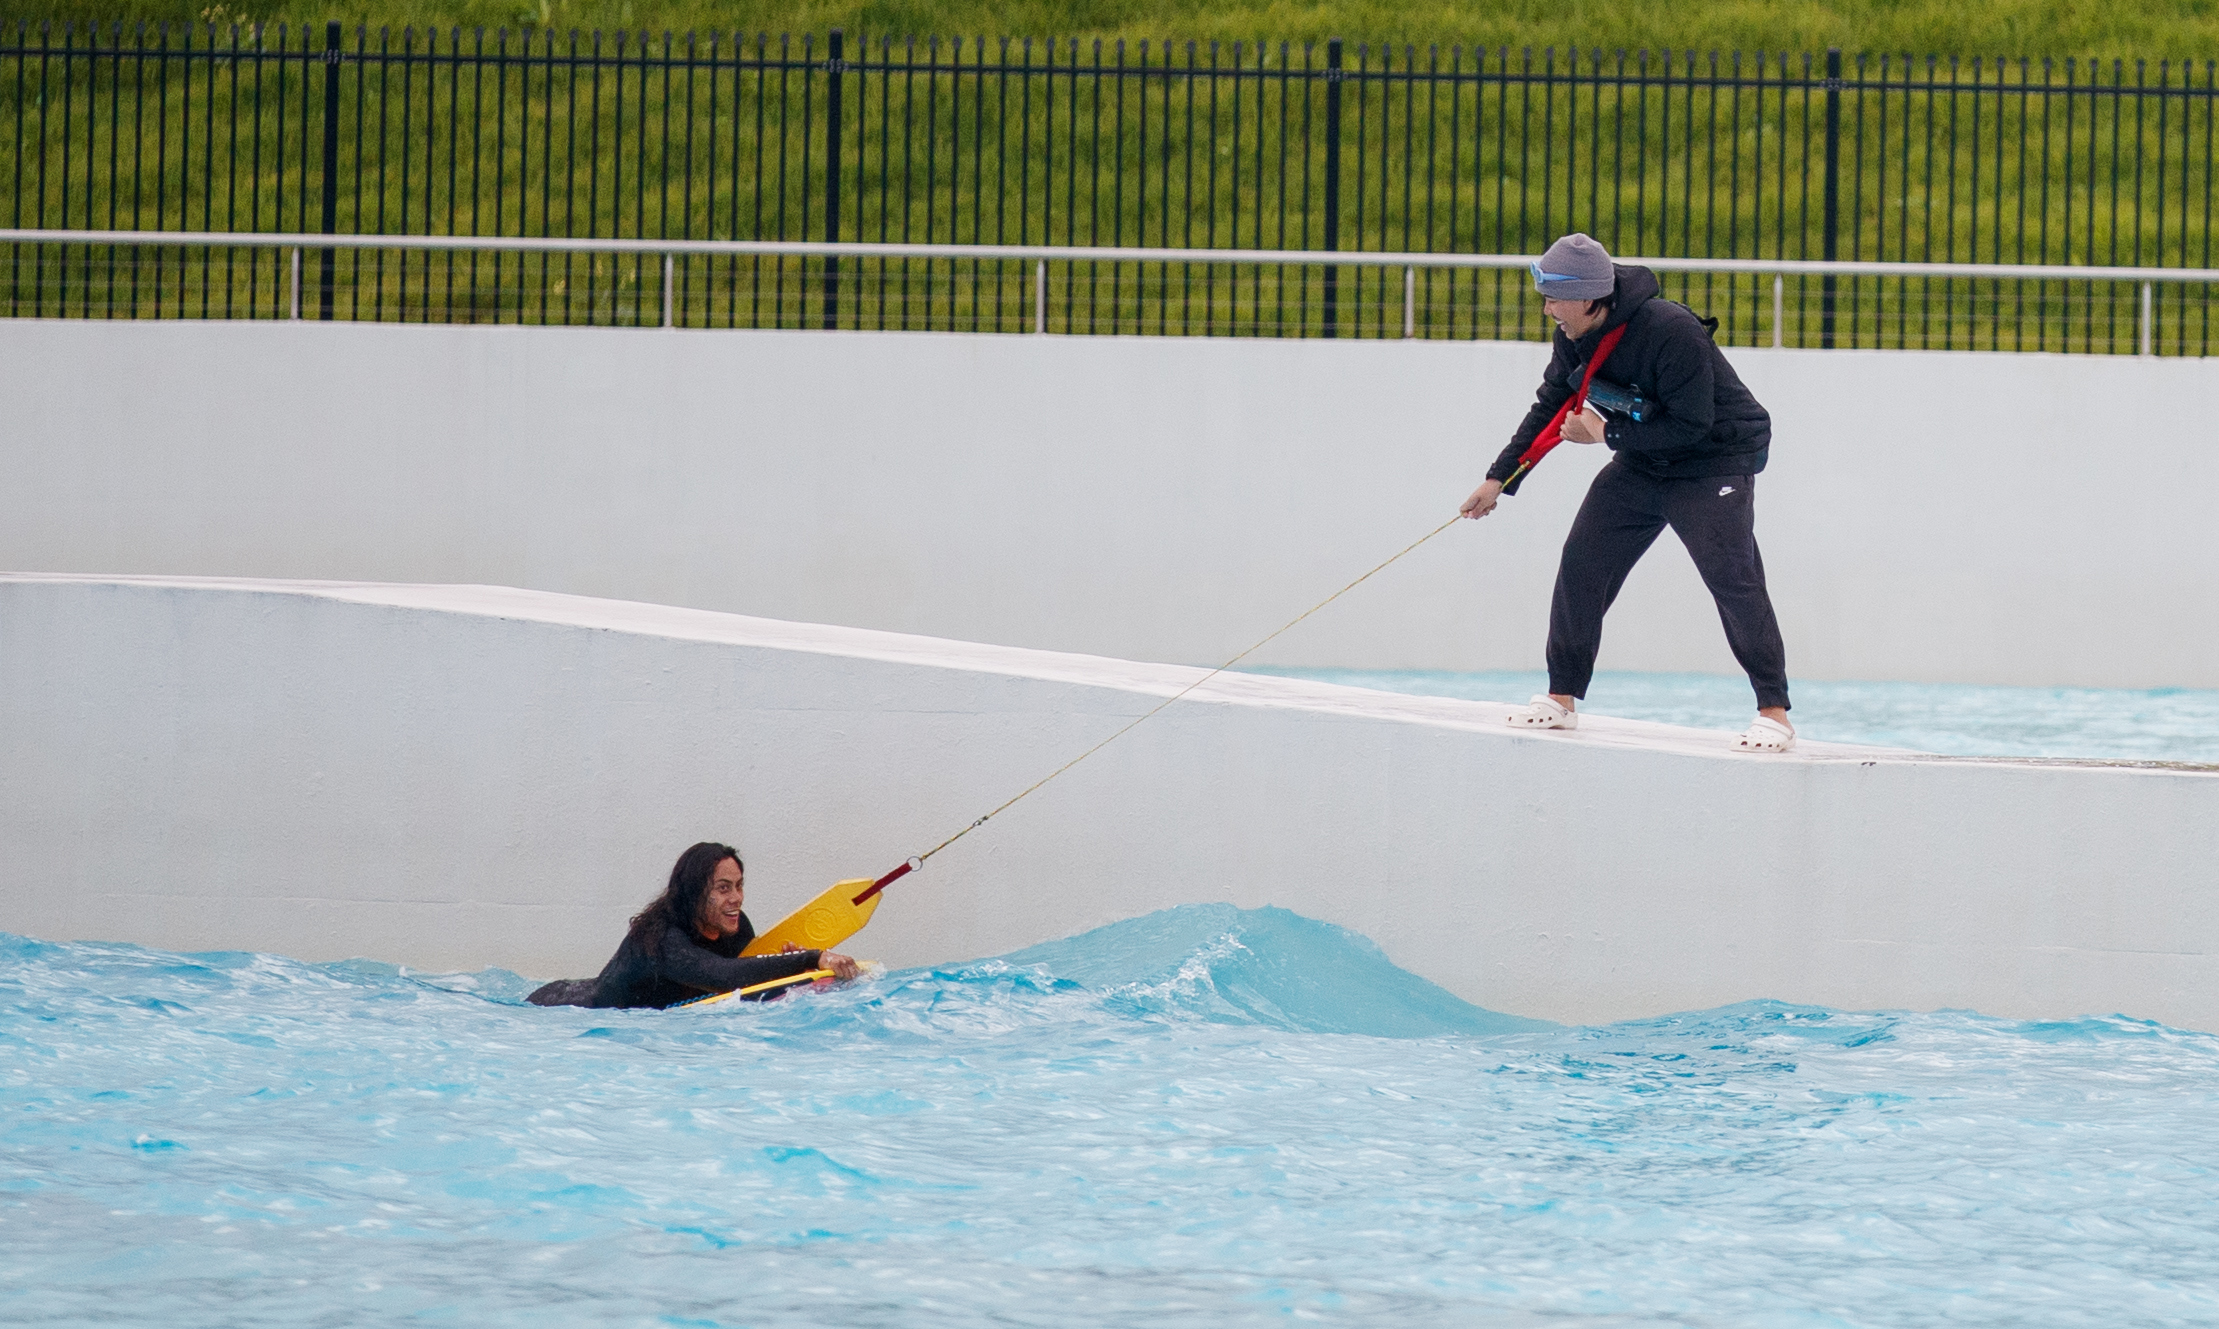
677,966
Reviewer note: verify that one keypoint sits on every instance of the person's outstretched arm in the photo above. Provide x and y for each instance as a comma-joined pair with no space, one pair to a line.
684,962
1555,389
1556,386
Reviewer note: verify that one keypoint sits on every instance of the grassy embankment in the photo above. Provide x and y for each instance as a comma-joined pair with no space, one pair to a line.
2167,29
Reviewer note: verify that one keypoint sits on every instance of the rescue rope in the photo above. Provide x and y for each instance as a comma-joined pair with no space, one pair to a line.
919,860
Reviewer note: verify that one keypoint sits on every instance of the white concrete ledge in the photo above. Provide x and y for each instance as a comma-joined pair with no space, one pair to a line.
460,776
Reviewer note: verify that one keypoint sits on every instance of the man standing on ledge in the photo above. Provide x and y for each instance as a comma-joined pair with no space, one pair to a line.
1688,446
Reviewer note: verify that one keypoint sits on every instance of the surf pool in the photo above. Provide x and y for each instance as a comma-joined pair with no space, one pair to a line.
1205,1116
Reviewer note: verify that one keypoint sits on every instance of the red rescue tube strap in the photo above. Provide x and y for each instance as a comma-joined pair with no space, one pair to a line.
889,879
1552,433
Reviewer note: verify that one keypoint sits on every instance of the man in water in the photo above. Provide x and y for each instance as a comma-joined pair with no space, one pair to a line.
1690,463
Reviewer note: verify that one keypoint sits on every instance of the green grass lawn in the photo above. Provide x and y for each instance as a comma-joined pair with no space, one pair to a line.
2156,29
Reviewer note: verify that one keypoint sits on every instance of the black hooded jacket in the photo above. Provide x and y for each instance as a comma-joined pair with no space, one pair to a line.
1709,424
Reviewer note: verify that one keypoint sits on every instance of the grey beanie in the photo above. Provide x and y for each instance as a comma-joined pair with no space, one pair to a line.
1576,267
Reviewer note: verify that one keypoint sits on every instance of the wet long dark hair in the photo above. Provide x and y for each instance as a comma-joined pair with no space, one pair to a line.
680,902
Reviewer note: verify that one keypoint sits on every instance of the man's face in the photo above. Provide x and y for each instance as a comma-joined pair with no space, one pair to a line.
1576,317
720,904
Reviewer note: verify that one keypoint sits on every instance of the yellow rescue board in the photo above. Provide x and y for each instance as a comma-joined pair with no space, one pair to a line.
753,988
824,922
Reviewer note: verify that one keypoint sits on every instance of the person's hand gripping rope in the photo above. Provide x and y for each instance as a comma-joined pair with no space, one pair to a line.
1585,427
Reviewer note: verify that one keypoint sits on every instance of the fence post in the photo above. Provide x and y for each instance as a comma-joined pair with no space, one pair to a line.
331,166
1779,311
1040,296
2149,320
296,281
1409,303
835,48
1833,194
670,283
1332,183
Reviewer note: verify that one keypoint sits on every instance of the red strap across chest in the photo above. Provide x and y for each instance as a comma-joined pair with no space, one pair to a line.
1552,433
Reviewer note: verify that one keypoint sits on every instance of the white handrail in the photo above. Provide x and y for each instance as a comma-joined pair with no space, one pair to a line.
1041,255
1791,267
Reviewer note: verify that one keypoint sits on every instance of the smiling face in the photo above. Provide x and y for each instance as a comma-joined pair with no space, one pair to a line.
720,904
1576,317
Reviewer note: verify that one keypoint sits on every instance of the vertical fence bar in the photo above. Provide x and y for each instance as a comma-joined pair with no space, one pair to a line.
1040,296
1409,303
296,283
1332,182
1779,311
330,259
834,65
1831,237
2149,324
670,276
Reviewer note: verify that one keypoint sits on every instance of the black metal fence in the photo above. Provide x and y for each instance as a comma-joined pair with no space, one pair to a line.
1331,147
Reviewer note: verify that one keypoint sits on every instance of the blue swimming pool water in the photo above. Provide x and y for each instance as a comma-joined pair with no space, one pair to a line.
1200,1118
1960,719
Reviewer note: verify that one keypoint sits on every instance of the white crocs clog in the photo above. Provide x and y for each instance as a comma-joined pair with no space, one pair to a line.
1766,734
1543,713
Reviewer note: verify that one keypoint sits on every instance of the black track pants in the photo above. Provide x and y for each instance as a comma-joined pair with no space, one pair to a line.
1715,517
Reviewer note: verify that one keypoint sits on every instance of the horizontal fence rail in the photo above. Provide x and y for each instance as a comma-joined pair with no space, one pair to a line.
955,287
1338,147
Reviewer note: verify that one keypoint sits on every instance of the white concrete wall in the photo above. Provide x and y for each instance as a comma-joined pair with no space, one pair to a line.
1996,518
454,777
